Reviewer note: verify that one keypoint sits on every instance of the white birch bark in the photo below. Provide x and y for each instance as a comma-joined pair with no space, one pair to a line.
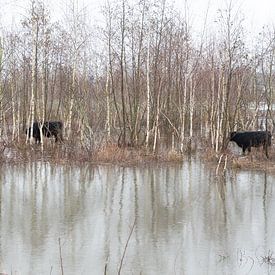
156,128
1,91
192,105
107,91
13,109
148,95
183,111
212,110
33,74
218,114
69,124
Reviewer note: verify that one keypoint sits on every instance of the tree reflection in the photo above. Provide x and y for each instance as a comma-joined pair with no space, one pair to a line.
187,220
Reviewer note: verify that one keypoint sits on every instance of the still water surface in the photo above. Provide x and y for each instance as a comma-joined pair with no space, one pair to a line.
186,221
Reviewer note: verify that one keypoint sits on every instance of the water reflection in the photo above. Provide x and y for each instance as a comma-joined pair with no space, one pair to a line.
187,221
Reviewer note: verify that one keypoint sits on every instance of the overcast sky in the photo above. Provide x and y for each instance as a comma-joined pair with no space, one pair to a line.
256,12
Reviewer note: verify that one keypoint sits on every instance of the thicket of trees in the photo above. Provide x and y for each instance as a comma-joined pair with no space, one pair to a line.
138,78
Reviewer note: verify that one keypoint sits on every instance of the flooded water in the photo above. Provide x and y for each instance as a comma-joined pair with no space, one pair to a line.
164,220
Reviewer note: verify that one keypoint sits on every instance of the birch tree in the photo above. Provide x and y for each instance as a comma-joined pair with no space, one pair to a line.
33,96
78,37
231,53
1,89
267,64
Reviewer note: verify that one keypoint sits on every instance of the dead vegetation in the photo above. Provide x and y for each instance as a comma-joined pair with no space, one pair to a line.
256,160
249,260
110,153
268,259
72,153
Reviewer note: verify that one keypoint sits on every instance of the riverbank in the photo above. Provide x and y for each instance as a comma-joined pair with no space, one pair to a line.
70,153
129,156
230,159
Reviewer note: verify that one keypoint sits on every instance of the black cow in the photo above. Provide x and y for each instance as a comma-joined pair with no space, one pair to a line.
49,129
249,139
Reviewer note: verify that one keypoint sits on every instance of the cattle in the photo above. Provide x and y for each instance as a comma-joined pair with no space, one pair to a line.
49,129
248,139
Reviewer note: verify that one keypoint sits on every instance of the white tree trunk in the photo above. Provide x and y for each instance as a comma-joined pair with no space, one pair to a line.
148,95
107,91
69,122
13,110
156,128
192,105
183,111
33,81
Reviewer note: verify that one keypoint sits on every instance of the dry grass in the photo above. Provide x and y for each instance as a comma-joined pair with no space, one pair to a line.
112,154
132,156
69,153
256,160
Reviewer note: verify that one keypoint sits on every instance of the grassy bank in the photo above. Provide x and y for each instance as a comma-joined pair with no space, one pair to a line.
67,153
256,160
70,153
